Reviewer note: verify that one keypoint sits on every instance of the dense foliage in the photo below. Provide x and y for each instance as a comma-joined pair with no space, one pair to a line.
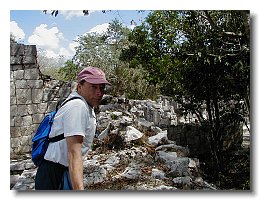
103,51
202,60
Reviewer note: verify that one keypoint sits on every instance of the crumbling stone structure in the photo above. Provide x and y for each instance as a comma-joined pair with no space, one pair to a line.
32,95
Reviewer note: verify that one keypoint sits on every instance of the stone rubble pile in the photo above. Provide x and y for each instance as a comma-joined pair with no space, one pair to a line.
131,151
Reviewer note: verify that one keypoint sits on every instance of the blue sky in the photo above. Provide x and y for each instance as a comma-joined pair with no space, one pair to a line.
56,35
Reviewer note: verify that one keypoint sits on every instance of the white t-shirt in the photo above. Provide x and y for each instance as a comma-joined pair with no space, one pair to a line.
76,117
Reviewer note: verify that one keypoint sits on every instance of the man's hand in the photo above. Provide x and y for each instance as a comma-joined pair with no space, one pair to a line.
74,144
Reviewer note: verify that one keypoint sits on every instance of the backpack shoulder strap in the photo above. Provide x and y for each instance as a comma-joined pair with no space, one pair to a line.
63,102
57,138
59,105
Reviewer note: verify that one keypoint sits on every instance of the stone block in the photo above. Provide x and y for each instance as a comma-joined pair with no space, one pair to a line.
37,118
13,111
16,60
64,91
18,121
42,108
11,122
21,84
30,50
34,108
19,74
13,100
15,66
37,95
24,96
38,84
25,148
29,59
31,74
179,166
31,66
17,49
52,106
15,132
12,89
27,120
15,142
27,130
25,140
23,110
11,76
50,95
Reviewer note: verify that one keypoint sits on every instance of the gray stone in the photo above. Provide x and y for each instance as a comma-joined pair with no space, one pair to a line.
166,156
37,95
35,84
158,174
12,89
24,96
15,142
13,100
19,75
16,60
13,111
42,108
23,110
132,134
16,49
154,140
37,118
33,74
27,120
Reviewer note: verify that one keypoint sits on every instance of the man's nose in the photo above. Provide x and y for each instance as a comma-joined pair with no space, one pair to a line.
99,91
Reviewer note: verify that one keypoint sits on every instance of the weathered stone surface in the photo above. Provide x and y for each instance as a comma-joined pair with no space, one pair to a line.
18,74
16,49
132,134
37,95
24,96
38,84
31,74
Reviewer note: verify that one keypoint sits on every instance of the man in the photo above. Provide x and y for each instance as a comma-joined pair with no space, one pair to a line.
62,167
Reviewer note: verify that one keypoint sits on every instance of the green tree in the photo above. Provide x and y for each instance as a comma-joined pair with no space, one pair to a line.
69,71
50,66
200,58
103,51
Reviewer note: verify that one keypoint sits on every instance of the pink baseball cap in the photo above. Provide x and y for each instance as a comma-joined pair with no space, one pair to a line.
93,75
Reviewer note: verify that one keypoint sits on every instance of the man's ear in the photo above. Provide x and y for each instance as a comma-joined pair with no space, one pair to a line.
79,86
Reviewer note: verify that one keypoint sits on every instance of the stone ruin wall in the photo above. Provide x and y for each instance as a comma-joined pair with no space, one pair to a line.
32,95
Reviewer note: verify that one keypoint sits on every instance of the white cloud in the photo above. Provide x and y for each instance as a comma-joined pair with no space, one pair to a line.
72,46
51,54
17,32
64,52
132,26
68,14
46,38
99,28
56,54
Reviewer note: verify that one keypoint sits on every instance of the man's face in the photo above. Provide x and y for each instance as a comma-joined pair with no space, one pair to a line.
92,93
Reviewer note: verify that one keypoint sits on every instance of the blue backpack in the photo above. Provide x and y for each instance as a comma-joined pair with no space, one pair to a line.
41,140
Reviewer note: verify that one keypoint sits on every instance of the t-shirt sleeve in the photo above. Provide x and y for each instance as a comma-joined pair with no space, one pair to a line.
75,120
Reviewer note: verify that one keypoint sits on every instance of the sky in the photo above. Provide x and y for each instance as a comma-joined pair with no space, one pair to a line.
57,35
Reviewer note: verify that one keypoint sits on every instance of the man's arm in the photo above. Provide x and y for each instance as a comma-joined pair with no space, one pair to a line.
74,144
